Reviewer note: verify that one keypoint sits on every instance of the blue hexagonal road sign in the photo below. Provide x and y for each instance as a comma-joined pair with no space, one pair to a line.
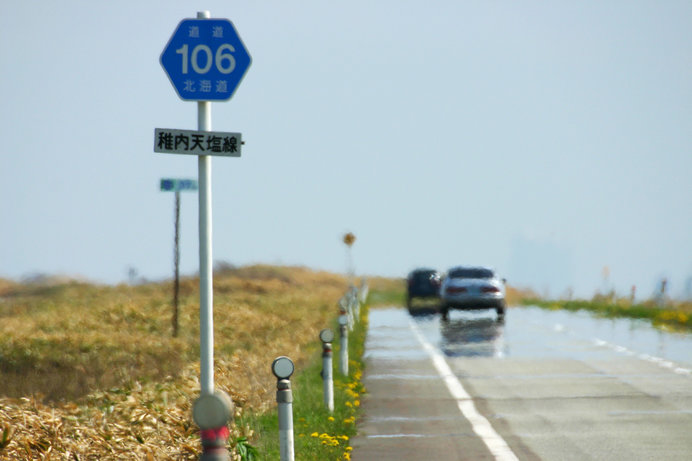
205,59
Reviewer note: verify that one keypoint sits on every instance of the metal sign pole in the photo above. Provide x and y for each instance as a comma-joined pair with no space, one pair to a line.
205,60
176,259
177,186
206,315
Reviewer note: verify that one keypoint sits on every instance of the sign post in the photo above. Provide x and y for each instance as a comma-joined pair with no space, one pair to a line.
205,60
177,185
349,239
206,315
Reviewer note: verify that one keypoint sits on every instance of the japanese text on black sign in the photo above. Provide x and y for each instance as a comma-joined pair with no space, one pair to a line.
197,142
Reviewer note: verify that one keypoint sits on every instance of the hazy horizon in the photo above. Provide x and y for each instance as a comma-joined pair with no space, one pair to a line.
547,140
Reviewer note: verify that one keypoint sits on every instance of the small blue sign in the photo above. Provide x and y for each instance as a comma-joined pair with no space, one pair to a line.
175,185
205,59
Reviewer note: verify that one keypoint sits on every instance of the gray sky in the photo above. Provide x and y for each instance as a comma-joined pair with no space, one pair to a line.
548,139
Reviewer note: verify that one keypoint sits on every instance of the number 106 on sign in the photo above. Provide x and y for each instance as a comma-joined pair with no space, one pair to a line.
223,58
205,59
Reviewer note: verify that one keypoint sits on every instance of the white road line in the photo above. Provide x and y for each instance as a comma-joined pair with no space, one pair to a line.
481,426
663,363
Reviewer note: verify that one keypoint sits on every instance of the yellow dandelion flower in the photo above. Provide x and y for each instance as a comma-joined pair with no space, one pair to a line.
315,434
330,419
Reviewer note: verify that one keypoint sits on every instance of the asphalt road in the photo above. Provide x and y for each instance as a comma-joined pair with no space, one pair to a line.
546,385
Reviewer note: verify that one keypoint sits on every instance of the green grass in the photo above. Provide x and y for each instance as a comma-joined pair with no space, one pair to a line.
394,298
318,434
387,292
674,316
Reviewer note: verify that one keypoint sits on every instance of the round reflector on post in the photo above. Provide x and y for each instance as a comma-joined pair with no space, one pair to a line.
326,335
282,367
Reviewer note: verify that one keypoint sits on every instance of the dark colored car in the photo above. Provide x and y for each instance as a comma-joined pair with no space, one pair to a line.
422,283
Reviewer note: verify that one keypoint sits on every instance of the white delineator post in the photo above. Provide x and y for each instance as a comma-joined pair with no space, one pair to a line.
328,384
327,336
283,368
285,401
206,297
343,344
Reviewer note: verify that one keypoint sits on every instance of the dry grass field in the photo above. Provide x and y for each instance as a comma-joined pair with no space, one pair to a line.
93,372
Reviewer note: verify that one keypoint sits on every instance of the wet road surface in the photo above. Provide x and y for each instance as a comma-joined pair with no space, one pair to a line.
539,385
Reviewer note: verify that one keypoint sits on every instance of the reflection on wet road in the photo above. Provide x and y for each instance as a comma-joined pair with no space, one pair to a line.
534,332
475,337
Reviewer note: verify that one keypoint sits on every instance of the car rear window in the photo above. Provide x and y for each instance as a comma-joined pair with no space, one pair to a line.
418,276
471,274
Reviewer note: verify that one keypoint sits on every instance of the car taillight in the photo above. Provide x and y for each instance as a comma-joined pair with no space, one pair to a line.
490,290
455,290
